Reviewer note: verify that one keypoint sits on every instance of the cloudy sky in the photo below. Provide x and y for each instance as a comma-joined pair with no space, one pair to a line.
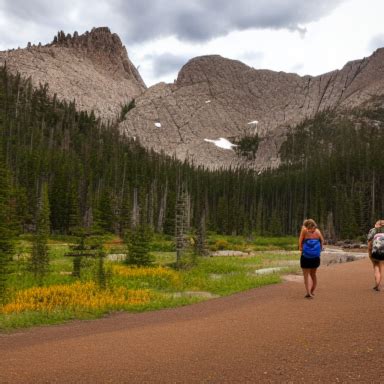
301,36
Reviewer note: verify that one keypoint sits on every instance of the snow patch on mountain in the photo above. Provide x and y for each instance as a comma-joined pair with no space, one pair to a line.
222,143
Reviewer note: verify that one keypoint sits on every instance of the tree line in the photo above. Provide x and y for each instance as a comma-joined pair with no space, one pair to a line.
95,177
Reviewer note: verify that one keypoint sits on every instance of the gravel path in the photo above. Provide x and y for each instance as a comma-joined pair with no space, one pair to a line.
266,335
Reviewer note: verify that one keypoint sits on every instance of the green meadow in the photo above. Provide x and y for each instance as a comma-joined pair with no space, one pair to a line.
61,297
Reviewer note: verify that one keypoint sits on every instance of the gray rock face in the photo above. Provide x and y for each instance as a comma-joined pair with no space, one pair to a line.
93,69
212,98
215,97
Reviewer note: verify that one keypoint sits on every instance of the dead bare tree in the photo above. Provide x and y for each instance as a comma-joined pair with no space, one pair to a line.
181,223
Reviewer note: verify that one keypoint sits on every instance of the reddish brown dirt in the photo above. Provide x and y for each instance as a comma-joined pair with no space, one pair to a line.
266,335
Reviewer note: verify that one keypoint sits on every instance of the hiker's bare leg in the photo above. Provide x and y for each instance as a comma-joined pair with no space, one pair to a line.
306,280
377,271
314,279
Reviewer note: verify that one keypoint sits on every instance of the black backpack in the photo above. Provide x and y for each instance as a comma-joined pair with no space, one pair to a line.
378,242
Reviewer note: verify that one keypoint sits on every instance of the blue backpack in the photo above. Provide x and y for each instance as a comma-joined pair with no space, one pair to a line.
311,248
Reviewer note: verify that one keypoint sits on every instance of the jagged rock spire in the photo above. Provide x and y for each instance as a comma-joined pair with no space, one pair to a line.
92,68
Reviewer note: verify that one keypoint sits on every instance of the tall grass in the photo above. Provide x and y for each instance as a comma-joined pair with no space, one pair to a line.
251,244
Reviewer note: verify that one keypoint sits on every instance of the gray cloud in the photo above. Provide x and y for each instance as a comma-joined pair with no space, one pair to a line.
39,20
138,21
202,20
376,42
37,11
166,63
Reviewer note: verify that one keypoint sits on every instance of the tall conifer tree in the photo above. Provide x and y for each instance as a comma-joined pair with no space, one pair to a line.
39,263
6,233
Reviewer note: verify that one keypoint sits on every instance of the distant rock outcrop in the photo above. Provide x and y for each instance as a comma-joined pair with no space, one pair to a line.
93,69
215,97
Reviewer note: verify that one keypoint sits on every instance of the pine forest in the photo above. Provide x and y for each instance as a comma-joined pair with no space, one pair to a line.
86,174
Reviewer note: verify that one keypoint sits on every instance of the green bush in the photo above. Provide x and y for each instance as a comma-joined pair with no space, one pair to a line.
220,245
138,244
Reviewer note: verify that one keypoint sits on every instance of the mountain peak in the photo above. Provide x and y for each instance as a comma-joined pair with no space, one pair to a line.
215,97
100,38
92,68
200,68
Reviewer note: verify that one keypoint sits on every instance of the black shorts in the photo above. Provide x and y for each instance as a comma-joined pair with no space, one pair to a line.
377,256
309,262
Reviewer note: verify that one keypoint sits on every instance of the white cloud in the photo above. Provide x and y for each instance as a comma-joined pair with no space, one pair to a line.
203,20
376,41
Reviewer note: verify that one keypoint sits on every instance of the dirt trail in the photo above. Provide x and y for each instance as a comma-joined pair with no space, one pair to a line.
266,335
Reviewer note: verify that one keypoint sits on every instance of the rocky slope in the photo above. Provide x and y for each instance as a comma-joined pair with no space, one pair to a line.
93,69
215,97
212,98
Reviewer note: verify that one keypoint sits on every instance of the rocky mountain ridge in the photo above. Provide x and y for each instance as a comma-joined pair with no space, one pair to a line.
215,97
93,69
212,98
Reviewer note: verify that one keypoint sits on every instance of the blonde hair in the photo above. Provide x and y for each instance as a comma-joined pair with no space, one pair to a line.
309,223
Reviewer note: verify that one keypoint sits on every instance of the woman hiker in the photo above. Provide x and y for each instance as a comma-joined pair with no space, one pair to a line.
376,251
311,243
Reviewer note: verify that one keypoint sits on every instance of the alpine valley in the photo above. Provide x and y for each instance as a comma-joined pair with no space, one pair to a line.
76,115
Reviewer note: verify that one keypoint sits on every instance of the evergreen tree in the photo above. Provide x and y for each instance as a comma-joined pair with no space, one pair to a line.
106,219
6,233
39,263
97,176
181,224
88,244
101,275
138,245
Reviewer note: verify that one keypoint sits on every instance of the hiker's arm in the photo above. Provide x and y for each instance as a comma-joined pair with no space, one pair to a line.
321,239
370,248
301,238
370,237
